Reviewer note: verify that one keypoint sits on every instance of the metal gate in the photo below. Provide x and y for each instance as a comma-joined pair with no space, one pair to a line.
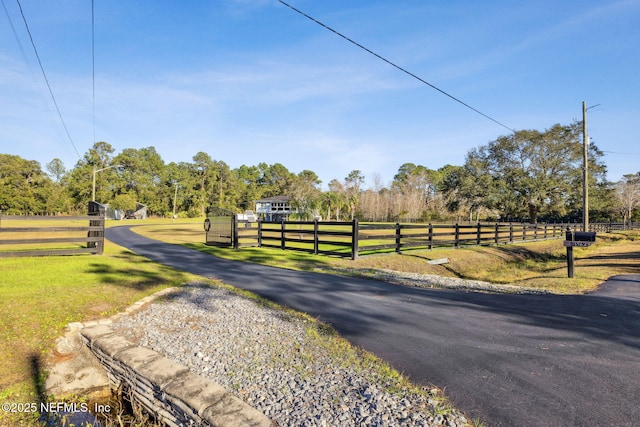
219,226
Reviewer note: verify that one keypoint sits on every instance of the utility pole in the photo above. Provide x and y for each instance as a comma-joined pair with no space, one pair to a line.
585,170
95,171
175,198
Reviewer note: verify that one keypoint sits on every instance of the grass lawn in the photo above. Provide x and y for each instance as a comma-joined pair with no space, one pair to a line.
539,264
39,296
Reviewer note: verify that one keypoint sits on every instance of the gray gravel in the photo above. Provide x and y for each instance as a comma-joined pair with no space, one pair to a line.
278,363
435,281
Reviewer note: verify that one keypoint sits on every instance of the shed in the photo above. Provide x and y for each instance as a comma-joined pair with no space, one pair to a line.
139,213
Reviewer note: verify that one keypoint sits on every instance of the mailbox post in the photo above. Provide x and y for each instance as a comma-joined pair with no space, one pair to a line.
580,239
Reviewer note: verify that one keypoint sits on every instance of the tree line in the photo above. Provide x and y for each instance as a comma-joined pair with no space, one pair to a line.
529,176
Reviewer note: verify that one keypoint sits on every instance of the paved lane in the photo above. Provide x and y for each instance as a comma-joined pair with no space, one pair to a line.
510,360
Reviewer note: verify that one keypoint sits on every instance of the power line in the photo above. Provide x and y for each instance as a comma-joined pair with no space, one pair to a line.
24,19
26,61
397,66
15,33
623,154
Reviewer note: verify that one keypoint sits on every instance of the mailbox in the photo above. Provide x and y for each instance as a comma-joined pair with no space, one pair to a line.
584,236
580,238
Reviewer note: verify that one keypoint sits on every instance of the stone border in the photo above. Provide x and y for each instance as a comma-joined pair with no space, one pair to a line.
91,358
166,388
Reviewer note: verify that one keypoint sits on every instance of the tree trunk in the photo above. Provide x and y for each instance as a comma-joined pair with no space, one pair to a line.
533,214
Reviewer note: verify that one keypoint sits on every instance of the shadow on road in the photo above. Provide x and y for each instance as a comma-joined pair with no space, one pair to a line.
507,359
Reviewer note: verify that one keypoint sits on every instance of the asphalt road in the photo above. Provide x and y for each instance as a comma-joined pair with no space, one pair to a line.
509,360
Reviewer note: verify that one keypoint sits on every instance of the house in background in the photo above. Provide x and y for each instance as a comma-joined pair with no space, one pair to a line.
277,208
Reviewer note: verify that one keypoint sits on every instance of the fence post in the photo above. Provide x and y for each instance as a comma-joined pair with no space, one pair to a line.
398,237
101,242
510,232
497,233
282,237
260,233
95,210
354,239
457,238
524,231
430,236
478,234
569,236
315,236
234,230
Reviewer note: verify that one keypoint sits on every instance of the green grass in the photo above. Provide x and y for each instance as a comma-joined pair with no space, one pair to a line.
8,225
39,296
540,265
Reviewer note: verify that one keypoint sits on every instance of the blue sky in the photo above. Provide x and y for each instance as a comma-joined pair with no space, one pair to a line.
251,81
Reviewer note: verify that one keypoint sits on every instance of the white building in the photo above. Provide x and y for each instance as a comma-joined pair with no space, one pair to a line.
275,208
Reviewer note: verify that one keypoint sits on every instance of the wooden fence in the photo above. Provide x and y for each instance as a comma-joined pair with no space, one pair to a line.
50,235
399,237
608,227
351,239
328,238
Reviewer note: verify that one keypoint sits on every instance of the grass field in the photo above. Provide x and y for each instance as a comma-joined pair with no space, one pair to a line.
56,229
539,264
39,296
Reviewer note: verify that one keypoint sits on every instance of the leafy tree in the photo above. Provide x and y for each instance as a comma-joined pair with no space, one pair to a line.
143,177
124,202
58,200
206,174
414,190
24,187
80,179
248,178
466,189
276,179
603,202
227,191
180,178
530,173
56,169
305,194
437,202
336,198
352,184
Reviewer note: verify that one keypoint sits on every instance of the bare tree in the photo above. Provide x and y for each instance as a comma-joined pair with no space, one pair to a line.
628,194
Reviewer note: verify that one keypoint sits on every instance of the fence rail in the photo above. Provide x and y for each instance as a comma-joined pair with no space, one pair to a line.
49,238
429,236
351,239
